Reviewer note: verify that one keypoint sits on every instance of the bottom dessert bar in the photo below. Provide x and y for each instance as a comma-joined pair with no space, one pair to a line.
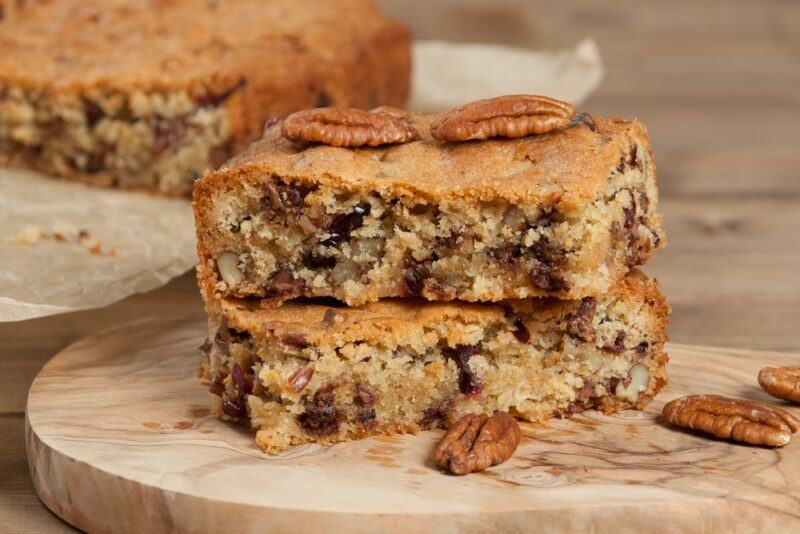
318,372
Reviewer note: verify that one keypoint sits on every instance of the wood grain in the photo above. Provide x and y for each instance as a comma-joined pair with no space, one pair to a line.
119,437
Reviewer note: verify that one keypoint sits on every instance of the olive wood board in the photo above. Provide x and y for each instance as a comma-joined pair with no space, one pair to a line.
119,438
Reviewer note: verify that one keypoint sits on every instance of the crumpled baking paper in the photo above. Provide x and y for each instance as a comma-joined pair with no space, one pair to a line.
65,246
447,75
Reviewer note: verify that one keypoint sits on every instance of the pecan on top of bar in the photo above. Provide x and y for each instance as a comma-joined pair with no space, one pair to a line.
503,116
567,168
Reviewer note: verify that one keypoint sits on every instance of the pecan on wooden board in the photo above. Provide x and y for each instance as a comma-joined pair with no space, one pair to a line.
503,116
347,127
476,442
734,419
781,382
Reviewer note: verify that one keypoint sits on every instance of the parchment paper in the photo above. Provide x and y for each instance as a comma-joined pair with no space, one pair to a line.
131,242
448,75
65,246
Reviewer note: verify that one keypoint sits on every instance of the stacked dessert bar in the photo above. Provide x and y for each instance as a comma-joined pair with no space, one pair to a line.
379,271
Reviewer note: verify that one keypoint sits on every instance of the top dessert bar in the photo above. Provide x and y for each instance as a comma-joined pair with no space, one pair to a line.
563,214
149,94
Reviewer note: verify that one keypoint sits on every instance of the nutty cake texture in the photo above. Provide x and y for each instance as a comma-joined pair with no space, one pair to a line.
564,213
149,94
315,372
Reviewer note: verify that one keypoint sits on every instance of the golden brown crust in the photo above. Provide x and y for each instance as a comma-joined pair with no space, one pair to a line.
278,54
390,319
568,168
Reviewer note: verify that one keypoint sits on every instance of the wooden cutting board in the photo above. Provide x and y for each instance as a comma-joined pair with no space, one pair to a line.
119,438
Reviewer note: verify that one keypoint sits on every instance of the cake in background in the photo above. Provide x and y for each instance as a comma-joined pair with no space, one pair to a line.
150,94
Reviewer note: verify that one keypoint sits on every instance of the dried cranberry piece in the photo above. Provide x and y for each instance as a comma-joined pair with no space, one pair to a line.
468,381
242,385
365,400
283,283
521,331
95,163
234,407
586,393
414,277
217,386
547,278
611,383
635,162
93,112
283,197
366,417
205,348
630,212
507,254
619,343
343,224
644,202
223,337
579,323
363,396
642,347
313,260
546,252
436,416
321,417
413,283
297,341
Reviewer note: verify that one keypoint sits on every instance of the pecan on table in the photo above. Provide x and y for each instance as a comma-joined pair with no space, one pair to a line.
735,419
476,442
781,382
503,116
346,127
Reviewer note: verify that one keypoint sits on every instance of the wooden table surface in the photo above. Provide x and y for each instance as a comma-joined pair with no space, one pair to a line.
718,85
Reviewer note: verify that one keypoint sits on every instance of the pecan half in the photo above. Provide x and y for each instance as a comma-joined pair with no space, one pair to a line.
781,382
349,127
476,442
503,116
739,420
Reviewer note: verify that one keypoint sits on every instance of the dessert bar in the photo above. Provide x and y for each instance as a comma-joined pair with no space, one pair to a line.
564,213
320,372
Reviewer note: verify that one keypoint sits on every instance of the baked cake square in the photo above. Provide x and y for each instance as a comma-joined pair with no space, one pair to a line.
321,372
564,213
149,94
